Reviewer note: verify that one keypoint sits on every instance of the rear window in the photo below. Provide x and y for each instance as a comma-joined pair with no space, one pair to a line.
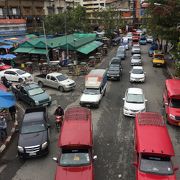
156,165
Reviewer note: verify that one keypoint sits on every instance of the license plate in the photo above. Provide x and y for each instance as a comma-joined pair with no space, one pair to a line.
32,154
45,104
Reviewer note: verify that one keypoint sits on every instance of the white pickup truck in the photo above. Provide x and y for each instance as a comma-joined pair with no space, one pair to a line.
55,80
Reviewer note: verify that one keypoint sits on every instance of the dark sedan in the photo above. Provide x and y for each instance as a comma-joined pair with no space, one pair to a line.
114,72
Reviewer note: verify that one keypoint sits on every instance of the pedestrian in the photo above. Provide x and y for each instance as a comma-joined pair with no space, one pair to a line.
12,111
3,127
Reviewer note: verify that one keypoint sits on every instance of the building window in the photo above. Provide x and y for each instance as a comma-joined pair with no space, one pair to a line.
1,11
14,11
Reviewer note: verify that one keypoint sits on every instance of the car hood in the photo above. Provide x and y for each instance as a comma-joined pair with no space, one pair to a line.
148,176
90,97
137,75
135,60
74,173
40,97
66,82
32,139
134,106
113,72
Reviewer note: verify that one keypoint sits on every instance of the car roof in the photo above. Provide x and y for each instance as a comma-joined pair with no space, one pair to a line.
77,128
135,91
173,87
33,116
136,55
152,135
137,67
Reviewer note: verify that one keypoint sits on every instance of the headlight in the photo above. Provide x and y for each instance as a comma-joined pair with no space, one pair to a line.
172,116
20,149
126,109
37,102
44,145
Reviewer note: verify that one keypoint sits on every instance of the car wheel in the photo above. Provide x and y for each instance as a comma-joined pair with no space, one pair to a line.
20,80
40,84
61,89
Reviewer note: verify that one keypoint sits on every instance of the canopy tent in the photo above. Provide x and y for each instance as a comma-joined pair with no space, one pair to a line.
38,51
8,56
86,49
6,46
23,50
6,99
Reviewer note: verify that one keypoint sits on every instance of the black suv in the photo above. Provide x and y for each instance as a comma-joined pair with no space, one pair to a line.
114,72
34,133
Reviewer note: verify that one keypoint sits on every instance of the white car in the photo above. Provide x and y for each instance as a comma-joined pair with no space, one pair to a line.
136,49
149,39
121,48
17,75
136,60
134,102
137,74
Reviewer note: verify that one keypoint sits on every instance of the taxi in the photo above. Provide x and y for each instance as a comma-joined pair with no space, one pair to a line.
158,59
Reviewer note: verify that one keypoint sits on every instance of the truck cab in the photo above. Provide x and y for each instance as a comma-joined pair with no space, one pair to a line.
153,148
95,88
171,98
75,160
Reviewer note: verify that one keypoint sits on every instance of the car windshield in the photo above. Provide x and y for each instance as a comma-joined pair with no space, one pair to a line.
135,98
32,127
159,56
35,91
137,71
136,57
91,91
20,72
61,77
74,158
157,165
175,103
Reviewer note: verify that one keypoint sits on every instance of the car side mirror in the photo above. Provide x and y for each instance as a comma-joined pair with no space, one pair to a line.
94,157
144,72
55,159
123,99
146,100
135,164
176,168
166,104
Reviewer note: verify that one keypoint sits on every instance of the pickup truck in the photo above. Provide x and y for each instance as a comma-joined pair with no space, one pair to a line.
55,80
32,94
34,133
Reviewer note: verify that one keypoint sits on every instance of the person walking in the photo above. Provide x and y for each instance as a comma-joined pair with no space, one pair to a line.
12,111
3,127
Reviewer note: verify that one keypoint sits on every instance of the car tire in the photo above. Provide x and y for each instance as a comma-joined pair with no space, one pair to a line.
40,84
20,80
61,89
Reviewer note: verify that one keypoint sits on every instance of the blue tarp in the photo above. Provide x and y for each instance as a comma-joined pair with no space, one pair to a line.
6,99
8,56
6,46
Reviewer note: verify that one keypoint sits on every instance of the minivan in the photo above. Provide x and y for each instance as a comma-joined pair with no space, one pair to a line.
171,98
153,148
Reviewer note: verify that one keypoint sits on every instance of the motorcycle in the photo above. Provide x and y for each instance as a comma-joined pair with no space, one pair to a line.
58,121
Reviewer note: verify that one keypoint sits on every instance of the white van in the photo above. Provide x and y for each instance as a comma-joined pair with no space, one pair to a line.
95,88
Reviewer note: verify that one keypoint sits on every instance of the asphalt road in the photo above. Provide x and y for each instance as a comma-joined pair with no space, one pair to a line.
113,133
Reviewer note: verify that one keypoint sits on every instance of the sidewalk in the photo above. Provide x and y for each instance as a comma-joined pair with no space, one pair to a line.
170,67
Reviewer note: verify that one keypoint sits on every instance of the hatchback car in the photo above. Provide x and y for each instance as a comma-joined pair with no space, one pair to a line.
137,74
114,72
143,40
136,60
149,39
134,102
136,49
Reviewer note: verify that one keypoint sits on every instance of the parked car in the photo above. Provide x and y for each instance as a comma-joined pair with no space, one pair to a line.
136,59
17,75
4,66
171,99
121,53
153,149
149,39
134,102
136,49
32,94
150,52
121,48
158,59
34,133
55,80
76,160
114,72
115,60
137,74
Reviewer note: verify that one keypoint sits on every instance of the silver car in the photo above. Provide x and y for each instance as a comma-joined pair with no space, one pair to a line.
136,60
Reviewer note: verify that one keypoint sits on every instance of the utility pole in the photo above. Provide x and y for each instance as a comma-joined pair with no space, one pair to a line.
47,54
